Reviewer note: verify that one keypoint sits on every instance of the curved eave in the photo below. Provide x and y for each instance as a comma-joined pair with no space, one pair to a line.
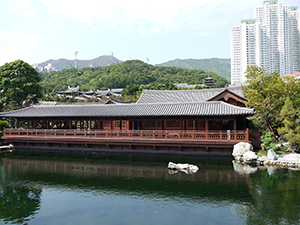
131,110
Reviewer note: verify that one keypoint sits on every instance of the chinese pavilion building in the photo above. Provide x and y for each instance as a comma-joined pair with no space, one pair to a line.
197,122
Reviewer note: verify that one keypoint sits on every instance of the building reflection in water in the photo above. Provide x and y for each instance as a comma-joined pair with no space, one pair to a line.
249,194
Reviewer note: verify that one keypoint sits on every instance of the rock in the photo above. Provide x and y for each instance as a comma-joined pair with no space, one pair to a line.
249,156
240,148
187,168
290,157
271,155
262,158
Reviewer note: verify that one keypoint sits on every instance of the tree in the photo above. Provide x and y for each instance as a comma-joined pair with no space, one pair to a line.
19,82
264,93
291,128
267,92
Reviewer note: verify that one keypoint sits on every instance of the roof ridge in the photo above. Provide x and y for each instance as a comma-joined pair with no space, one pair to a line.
193,90
18,110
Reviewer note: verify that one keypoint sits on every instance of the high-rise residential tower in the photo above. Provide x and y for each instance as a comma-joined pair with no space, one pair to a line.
270,40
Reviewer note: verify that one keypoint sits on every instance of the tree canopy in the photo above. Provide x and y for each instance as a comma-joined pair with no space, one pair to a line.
267,93
18,82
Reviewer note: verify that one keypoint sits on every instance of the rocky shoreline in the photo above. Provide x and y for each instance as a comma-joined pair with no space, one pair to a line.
243,153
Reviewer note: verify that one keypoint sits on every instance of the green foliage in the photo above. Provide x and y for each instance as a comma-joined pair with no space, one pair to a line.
3,124
127,73
267,141
267,94
19,82
261,152
291,128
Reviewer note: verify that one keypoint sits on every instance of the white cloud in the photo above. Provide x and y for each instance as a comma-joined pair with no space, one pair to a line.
17,36
20,7
114,13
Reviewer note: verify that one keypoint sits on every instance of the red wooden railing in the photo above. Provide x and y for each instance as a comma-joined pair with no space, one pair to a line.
240,135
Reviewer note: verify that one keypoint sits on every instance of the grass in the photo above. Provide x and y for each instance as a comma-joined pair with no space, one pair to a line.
261,152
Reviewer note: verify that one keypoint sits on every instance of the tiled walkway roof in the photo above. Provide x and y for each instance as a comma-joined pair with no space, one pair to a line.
184,96
66,110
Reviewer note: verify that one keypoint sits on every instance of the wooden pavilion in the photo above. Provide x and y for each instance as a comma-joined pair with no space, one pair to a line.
196,122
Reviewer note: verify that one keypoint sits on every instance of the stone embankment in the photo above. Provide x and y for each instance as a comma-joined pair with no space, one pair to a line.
243,153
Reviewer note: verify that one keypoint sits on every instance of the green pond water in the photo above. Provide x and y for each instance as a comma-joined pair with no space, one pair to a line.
109,189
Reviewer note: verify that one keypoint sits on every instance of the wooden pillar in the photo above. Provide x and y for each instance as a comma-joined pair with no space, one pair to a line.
234,124
206,125
33,124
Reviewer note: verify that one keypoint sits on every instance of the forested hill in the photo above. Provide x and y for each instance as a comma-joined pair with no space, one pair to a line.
219,66
123,74
61,64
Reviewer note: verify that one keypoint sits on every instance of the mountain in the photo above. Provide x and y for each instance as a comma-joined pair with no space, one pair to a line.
216,65
219,66
61,64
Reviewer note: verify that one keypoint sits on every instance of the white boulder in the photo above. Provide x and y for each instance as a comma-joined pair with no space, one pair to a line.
183,167
271,155
249,156
240,148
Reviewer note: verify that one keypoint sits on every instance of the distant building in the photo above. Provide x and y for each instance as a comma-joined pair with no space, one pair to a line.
209,82
296,75
49,68
37,67
270,40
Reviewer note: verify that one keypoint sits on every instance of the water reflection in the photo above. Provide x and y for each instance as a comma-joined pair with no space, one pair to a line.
18,201
275,193
145,185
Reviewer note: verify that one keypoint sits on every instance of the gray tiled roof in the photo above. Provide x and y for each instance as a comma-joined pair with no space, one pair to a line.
70,90
128,110
116,101
184,96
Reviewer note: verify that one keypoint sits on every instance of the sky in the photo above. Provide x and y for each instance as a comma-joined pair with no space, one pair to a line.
152,31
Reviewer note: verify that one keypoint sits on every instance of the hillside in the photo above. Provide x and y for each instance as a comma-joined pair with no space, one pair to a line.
61,64
123,74
216,65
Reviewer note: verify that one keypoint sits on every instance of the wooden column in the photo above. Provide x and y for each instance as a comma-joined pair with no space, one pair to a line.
206,125
234,124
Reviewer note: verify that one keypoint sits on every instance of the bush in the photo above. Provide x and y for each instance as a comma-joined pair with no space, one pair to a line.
267,140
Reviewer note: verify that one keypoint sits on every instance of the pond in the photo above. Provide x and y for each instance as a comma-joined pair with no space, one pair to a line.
115,189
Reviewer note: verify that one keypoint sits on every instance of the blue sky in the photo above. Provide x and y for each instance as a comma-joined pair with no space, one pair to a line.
37,30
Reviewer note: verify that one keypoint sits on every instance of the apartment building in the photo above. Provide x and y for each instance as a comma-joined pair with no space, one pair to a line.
270,40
